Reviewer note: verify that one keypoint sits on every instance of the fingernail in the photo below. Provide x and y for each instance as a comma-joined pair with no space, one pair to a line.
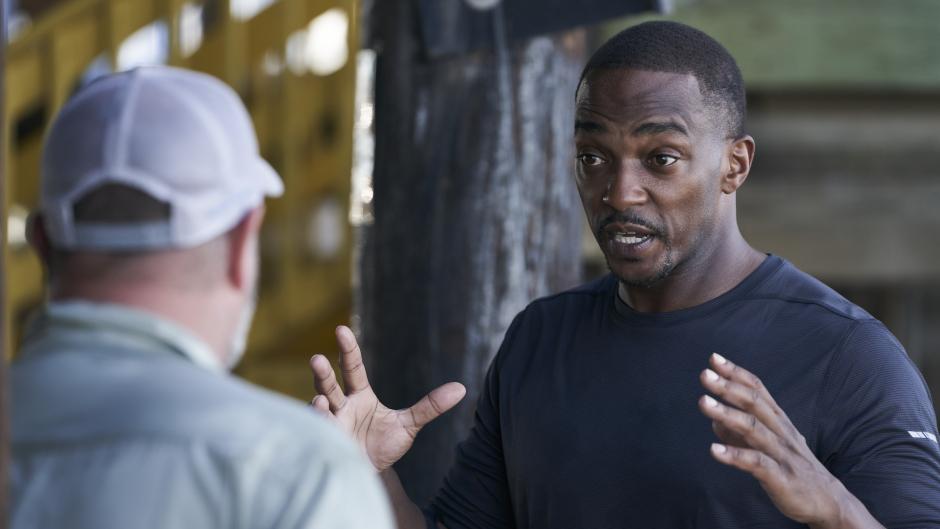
719,359
719,448
710,402
711,376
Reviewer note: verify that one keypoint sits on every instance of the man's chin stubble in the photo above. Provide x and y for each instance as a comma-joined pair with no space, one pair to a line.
662,273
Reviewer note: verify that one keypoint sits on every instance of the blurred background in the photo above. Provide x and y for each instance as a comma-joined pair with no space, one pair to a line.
426,151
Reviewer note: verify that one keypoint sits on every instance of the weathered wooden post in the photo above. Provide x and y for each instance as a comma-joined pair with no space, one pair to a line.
475,208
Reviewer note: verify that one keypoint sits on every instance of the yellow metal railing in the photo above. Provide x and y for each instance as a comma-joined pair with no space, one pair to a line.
304,123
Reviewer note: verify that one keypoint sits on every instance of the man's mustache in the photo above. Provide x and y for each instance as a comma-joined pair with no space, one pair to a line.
631,218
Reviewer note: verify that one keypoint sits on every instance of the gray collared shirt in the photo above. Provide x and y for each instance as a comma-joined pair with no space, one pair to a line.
123,420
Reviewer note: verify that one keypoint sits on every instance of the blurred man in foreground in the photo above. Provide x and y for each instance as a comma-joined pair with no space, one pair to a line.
604,402
124,414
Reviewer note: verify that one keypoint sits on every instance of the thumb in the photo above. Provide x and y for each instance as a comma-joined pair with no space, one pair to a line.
432,405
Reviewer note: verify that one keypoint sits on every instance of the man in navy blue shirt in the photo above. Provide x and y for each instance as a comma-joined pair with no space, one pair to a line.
603,403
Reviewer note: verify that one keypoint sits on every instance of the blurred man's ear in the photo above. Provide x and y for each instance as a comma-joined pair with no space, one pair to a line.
243,250
37,238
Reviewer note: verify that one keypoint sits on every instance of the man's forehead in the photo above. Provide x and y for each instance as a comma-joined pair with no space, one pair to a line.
627,96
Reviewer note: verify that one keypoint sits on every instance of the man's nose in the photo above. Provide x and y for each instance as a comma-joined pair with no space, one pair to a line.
626,188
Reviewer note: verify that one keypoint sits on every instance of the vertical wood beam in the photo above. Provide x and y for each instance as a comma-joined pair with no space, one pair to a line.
476,214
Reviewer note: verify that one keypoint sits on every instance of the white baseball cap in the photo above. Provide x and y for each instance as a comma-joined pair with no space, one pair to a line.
182,137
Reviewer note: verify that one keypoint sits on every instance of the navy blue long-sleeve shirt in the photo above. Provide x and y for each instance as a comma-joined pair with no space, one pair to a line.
589,417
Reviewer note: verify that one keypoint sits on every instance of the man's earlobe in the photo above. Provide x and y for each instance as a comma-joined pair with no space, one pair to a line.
243,240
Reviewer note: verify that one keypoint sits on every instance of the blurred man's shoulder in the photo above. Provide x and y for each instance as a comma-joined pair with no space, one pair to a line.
238,416
112,394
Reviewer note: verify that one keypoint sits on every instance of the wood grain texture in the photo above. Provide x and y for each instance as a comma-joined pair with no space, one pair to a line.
476,214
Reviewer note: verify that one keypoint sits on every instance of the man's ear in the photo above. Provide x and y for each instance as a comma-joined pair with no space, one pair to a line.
243,250
38,239
740,156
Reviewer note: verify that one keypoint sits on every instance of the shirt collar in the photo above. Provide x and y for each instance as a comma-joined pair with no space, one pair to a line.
133,322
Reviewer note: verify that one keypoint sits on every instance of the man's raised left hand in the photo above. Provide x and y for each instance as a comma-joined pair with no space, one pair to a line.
758,437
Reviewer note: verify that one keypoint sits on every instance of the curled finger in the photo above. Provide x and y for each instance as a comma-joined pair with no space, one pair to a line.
322,407
320,404
324,379
750,388
758,464
745,426
748,399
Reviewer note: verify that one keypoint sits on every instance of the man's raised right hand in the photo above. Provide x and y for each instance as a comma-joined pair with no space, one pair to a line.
383,433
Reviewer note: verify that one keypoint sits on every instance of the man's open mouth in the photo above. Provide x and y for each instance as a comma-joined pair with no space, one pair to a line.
630,237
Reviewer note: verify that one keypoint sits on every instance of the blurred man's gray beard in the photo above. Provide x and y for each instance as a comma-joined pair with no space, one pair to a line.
236,348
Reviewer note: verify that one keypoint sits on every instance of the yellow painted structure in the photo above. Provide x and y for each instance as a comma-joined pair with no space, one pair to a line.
304,123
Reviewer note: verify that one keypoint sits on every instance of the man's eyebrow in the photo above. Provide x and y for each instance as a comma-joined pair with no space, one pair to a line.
588,126
659,127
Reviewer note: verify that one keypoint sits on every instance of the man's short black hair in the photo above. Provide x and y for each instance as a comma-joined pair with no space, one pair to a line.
676,48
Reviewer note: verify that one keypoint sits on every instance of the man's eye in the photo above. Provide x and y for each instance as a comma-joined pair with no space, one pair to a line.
590,159
664,160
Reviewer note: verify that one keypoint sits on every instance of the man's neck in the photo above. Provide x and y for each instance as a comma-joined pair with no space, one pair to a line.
697,281
190,311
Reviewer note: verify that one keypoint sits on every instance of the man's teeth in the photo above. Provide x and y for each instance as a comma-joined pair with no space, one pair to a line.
630,238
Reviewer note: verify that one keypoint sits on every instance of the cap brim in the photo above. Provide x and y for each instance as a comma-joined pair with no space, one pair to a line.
271,182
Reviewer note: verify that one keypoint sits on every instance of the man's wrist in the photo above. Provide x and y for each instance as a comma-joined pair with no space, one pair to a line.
407,514
837,512
846,512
